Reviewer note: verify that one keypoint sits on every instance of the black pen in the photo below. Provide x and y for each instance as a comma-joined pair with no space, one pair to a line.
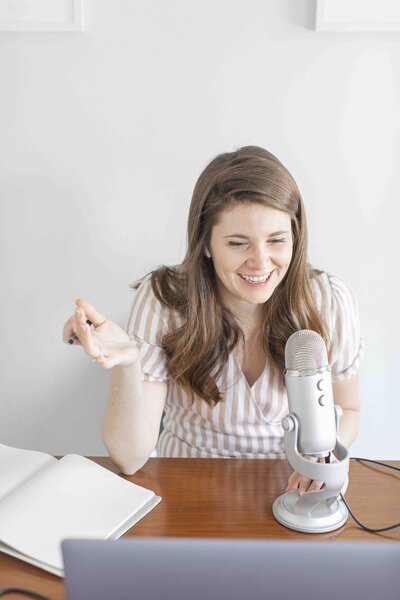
74,337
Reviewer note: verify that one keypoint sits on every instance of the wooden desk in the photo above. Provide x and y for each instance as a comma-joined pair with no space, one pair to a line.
229,498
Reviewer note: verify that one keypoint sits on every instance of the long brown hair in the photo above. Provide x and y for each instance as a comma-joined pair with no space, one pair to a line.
198,350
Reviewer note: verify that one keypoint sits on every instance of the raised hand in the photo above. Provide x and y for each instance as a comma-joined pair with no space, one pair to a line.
104,341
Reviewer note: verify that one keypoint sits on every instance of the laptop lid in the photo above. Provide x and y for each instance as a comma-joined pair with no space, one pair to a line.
230,569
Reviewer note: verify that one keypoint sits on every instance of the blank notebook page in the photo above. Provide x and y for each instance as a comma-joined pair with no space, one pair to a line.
73,497
16,465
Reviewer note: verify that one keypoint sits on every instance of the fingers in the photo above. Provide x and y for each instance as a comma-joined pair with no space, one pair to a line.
293,482
85,336
69,331
302,484
315,485
297,482
91,313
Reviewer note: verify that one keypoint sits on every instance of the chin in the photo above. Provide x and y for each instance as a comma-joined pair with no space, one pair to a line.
261,300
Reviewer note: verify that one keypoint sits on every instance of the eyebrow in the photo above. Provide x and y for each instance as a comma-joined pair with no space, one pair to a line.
245,237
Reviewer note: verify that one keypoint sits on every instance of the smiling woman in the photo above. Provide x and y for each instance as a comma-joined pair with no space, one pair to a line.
249,271
205,339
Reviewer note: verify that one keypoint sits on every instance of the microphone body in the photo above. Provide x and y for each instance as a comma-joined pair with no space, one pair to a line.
310,398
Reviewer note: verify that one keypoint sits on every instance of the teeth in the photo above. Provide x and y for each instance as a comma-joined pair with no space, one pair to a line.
255,279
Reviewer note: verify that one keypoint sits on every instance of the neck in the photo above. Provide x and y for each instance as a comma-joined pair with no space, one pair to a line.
250,322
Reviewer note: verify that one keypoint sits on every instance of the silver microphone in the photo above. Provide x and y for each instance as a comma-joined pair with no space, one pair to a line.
309,390
311,428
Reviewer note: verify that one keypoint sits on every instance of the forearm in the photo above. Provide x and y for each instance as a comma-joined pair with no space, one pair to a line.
348,426
126,429
346,394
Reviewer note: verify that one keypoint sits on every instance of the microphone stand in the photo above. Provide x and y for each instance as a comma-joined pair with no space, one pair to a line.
313,512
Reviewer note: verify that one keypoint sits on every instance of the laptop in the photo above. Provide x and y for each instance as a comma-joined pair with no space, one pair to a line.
150,568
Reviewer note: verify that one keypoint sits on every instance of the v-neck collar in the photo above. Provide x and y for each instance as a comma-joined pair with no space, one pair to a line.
237,353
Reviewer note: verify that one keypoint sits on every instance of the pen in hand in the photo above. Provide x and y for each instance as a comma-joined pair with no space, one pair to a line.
73,337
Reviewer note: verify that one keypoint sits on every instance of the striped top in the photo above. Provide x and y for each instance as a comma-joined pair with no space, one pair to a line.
247,422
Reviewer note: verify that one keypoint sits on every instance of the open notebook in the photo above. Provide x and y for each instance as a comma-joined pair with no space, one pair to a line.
44,500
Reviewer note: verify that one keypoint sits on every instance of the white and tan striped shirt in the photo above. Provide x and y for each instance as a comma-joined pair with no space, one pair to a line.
247,422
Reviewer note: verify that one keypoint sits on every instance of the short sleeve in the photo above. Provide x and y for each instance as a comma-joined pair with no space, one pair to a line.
339,306
146,325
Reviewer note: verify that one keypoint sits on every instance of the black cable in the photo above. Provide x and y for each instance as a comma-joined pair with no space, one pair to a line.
33,595
350,511
377,462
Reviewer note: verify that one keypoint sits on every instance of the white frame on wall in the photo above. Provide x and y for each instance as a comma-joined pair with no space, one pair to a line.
30,15
357,15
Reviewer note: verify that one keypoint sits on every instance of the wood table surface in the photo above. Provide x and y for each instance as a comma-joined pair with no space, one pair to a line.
230,498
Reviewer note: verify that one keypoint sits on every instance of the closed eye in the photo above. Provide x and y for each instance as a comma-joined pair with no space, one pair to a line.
278,241
275,241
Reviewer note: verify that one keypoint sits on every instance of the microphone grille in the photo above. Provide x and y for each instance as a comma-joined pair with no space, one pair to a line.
305,349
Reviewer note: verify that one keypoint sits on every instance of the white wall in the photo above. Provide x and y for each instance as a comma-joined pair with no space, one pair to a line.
102,137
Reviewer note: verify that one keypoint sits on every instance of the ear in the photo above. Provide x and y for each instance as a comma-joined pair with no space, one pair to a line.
207,252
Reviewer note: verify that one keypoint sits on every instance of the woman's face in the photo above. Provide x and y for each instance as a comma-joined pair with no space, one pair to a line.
251,248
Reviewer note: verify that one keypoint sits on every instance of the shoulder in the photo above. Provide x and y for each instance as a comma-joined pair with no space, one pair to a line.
145,297
149,318
147,314
331,291
337,303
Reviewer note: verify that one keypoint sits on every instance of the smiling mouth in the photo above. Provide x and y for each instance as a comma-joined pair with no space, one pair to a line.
256,280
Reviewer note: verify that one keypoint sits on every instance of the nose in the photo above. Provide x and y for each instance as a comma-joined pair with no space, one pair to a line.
259,259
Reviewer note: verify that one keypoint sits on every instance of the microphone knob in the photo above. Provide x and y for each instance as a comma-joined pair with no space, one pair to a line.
320,385
287,423
322,400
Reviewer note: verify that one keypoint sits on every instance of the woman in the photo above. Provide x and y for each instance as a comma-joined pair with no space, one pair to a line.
205,339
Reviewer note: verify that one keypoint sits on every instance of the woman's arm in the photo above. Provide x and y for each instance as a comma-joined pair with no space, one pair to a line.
132,417
346,395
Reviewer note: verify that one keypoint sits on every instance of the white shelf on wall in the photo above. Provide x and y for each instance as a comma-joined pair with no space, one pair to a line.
41,15
357,15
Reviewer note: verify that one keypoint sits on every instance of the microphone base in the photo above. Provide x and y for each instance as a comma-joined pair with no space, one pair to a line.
323,518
